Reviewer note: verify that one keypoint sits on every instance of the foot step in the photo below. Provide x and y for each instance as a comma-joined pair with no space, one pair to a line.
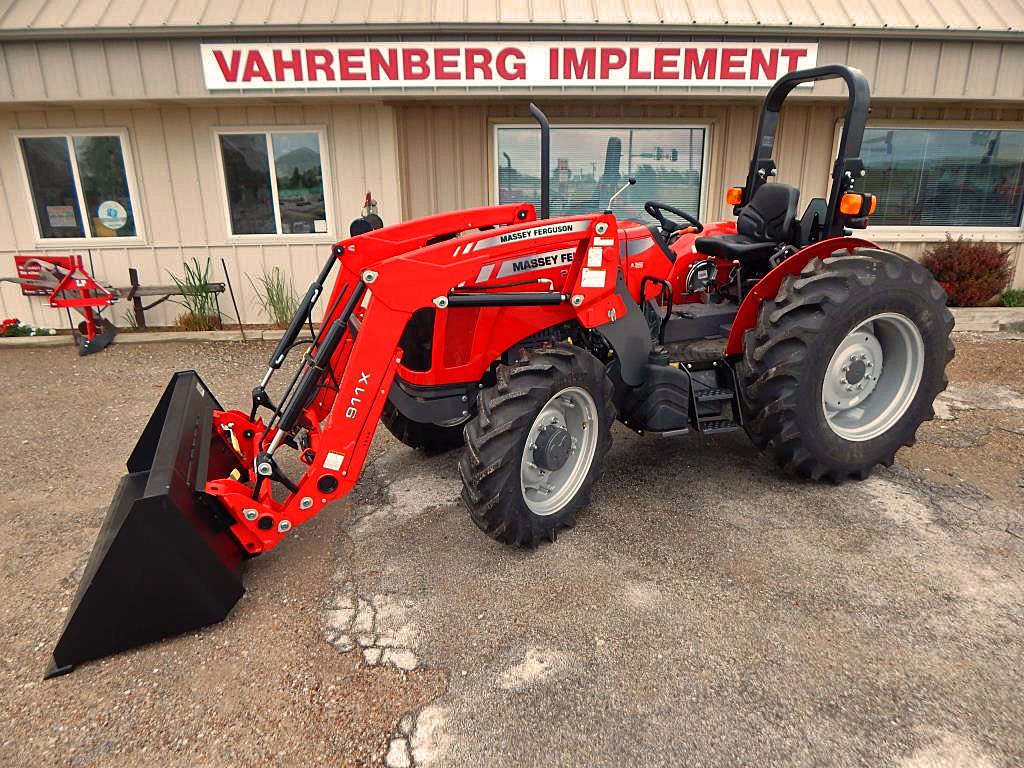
713,426
713,395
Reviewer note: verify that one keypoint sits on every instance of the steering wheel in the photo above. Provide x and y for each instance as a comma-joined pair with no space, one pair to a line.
668,226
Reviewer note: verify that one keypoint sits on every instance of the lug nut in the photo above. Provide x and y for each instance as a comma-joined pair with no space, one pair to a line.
284,526
305,503
249,514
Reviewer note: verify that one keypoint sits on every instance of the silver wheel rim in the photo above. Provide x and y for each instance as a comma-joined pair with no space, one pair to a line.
547,490
873,377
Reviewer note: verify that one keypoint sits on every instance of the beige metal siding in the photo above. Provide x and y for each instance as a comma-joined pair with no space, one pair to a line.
79,15
34,72
181,200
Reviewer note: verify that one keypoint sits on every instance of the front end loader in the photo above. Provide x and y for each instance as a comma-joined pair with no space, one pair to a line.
522,339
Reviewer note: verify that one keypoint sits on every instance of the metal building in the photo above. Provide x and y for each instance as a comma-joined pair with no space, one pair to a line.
147,134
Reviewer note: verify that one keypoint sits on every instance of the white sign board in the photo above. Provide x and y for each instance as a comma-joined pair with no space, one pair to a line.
268,66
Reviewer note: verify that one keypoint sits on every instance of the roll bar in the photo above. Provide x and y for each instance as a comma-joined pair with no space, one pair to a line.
847,167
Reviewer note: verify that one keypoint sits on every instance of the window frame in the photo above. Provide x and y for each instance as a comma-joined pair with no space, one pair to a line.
931,232
326,171
707,125
127,154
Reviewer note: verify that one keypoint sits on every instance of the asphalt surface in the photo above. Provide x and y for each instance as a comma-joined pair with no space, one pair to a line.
706,610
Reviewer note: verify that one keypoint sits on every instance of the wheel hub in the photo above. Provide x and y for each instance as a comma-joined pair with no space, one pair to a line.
552,447
559,451
855,369
873,376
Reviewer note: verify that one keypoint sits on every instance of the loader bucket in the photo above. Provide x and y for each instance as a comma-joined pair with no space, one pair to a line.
164,561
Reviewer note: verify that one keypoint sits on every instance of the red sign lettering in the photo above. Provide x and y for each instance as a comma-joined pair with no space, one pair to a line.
517,70
381,66
696,67
613,65
350,64
319,60
611,58
478,60
579,65
230,72
255,67
414,64
293,62
732,63
666,61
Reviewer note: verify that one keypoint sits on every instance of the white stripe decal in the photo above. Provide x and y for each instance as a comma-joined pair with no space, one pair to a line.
485,273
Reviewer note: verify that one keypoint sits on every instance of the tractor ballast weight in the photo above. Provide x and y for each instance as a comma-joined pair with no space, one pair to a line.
525,339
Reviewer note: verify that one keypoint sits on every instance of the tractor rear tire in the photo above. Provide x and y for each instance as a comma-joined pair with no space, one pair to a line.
844,364
530,462
424,436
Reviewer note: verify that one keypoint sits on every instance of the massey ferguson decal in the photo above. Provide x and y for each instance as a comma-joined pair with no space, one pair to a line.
562,228
537,261
462,64
531,263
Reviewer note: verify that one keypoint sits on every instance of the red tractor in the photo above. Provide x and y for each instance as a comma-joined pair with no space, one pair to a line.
524,339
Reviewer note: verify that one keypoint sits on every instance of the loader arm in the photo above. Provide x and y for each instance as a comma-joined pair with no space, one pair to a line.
337,397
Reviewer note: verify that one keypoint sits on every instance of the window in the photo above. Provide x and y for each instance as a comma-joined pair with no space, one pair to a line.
274,182
589,163
79,185
944,177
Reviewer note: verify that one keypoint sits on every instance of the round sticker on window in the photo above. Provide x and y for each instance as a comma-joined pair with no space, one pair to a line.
112,214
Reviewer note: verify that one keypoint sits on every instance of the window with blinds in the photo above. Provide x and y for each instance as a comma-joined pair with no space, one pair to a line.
941,177
589,163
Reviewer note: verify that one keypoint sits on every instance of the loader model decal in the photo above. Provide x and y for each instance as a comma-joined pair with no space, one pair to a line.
562,228
353,404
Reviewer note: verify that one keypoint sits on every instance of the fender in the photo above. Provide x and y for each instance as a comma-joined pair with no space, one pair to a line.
768,286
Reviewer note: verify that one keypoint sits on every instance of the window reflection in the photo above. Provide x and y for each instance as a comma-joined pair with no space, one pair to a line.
945,177
300,186
589,164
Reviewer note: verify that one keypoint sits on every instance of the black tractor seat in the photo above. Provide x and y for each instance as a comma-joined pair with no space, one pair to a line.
763,224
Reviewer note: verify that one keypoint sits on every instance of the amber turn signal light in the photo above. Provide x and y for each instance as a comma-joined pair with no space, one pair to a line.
853,204
734,196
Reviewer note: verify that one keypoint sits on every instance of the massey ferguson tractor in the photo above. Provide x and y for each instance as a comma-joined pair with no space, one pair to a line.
521,340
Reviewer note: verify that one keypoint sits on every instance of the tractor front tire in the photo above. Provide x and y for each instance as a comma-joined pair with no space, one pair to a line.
430,438
844,364
535,447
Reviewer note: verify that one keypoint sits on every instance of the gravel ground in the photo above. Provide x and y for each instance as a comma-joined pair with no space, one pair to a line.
705,610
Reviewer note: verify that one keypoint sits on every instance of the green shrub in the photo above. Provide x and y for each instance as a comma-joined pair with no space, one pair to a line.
1013,298
201,313
276,294
971,272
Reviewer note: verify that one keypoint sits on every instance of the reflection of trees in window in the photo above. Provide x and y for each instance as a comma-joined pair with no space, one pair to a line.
101,171
297,187
61,206
247,176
